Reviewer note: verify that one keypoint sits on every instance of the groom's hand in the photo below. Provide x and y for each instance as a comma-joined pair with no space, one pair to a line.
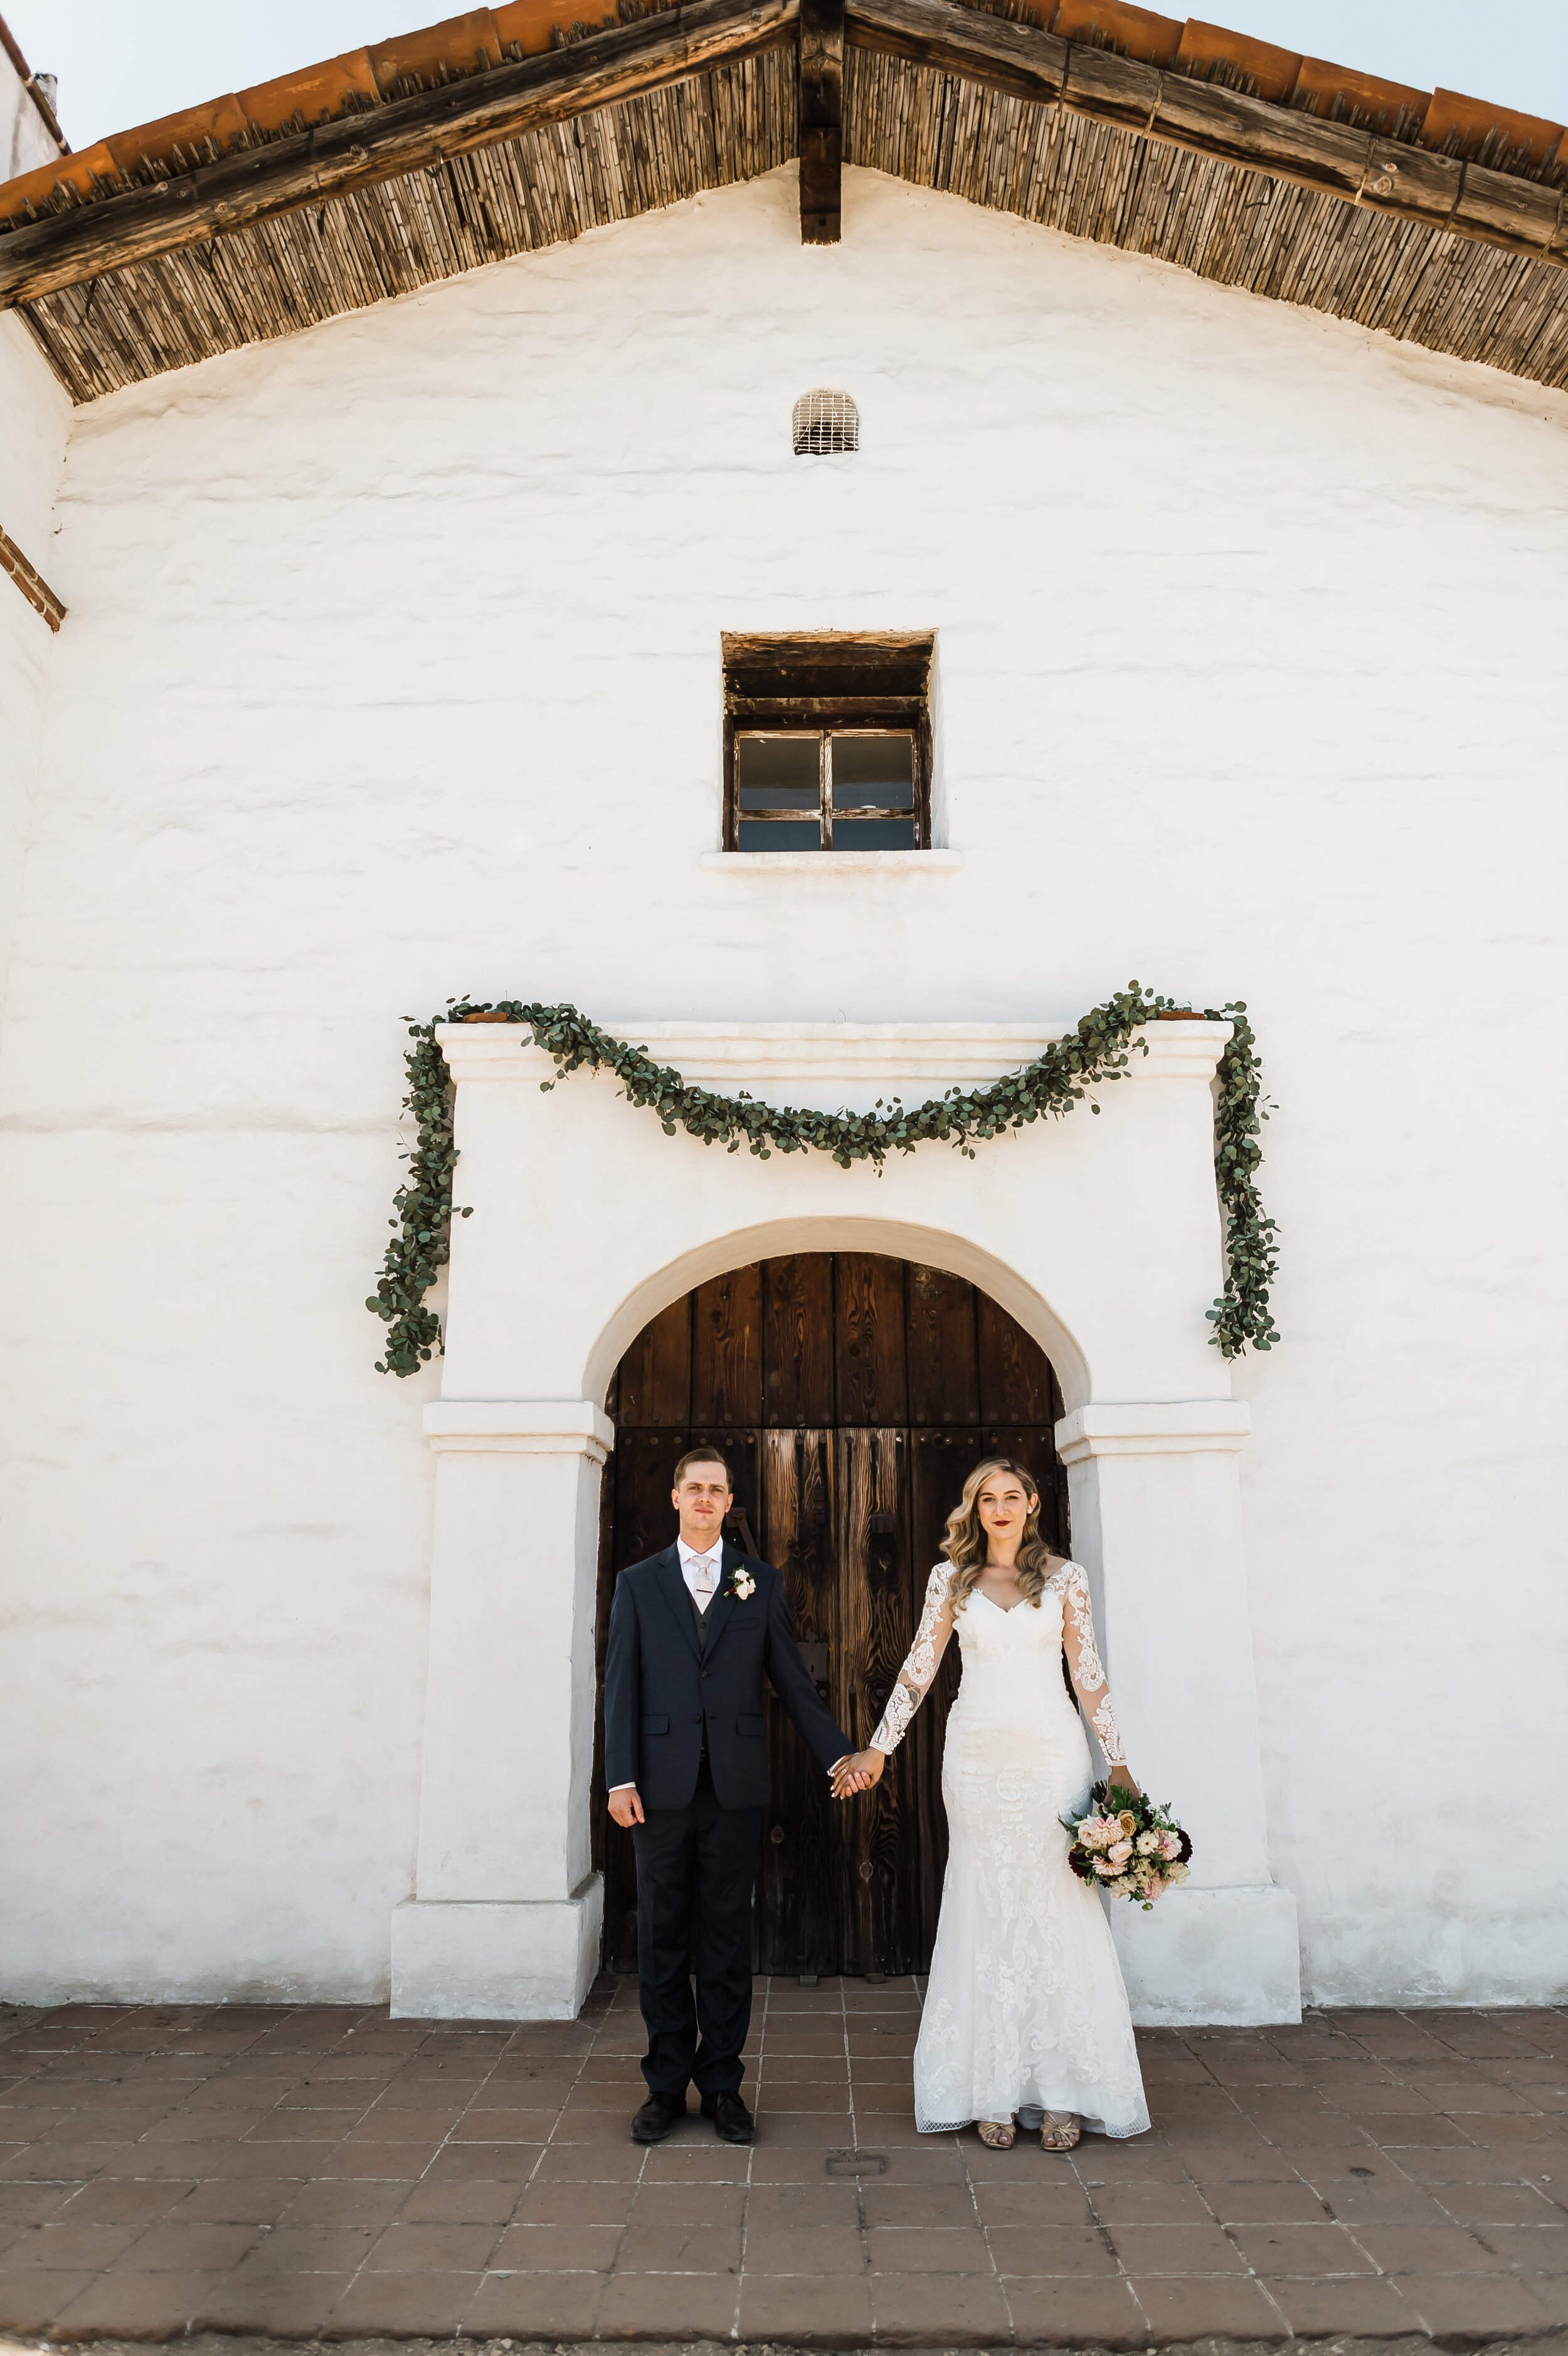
625,1807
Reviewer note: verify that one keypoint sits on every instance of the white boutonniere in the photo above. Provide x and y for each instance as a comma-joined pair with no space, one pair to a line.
743,1586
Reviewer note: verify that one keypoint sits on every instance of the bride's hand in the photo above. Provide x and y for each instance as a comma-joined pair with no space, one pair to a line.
1120,1779
859,1773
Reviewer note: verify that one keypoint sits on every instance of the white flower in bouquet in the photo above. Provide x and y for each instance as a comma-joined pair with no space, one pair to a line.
1176,1873
1148,1843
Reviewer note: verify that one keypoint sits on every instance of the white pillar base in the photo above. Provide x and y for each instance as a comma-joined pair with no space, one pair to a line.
1211,1958
458,1959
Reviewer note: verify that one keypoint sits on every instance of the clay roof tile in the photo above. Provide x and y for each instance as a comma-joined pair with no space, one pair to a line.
34,191
530,25
1269,72
314,94
1385,107
1116,24
1473,127
458,44
221,121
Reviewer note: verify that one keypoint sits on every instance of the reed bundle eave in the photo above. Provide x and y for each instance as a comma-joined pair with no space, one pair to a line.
279,235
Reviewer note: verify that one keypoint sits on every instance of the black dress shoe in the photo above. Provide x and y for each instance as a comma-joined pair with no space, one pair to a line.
732,2122
656,2117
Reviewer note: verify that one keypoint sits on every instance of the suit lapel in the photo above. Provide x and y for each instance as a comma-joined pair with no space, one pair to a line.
723,1604
673,1588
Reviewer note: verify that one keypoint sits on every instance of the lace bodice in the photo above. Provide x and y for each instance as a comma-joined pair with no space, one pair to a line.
1065,1599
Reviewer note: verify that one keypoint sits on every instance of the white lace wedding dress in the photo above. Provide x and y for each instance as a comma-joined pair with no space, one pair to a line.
1026,2003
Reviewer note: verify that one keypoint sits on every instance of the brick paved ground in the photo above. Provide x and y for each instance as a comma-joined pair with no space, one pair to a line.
326,2171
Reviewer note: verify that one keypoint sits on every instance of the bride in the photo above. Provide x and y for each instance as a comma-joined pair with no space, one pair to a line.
1025,2010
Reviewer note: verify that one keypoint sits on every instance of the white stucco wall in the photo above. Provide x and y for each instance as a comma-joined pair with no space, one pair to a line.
392,671
26,139
35,419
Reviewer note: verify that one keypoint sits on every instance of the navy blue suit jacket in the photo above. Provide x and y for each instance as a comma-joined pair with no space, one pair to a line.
663,1695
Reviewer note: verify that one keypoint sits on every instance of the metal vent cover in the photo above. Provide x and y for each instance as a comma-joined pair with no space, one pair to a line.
825,424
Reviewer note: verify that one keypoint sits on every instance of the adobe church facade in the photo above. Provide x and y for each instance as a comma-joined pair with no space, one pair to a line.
1108,503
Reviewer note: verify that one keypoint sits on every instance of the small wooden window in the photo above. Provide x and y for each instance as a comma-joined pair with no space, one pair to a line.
828,743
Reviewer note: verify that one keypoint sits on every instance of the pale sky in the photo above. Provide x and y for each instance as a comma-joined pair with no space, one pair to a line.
122,62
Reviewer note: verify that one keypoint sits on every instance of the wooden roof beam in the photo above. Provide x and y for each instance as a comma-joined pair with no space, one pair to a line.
259,183
30,581
821,120
1386,175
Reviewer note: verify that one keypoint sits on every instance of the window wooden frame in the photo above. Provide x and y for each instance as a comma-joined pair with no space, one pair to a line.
816,684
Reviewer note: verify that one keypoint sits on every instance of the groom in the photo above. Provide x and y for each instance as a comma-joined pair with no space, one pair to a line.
693,1632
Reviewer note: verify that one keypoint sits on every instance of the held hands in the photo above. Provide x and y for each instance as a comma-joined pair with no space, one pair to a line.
859,1773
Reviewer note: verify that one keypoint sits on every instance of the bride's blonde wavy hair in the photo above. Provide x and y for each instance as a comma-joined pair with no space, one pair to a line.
965,1543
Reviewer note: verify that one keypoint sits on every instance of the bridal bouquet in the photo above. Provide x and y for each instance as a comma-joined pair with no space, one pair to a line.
1135,1851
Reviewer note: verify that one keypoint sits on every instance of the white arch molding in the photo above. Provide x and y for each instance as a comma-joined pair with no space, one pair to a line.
1100,1235
898,1239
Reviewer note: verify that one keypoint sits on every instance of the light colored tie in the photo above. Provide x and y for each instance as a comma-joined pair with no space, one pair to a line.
705,1579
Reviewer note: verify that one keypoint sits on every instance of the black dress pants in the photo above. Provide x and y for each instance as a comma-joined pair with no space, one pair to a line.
696,1869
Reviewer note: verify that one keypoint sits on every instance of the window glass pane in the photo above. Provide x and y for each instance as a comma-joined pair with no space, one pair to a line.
754,834
873,768
776,760
873,834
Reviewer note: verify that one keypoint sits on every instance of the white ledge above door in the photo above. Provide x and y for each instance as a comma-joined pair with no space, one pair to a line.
1157,1428
830,1062
519,1428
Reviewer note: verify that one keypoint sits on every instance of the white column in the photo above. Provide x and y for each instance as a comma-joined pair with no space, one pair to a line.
504,1922
1156,1518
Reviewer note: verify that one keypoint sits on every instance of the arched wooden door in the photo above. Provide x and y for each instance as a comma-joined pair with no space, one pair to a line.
851,1394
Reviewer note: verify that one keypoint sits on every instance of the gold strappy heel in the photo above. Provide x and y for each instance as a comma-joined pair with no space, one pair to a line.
1060,2131
997,2135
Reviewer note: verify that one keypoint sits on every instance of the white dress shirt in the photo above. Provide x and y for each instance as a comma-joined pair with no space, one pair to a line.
701,1572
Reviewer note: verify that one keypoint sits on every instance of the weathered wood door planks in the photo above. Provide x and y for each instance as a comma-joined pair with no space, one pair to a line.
851,1394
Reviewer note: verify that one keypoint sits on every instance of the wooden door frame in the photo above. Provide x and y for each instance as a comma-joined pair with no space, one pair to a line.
911,1369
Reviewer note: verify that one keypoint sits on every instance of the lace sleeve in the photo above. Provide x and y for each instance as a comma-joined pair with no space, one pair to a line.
1083,1661
924,1658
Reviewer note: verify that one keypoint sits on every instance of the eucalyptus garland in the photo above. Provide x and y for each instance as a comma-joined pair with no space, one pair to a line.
1098,1050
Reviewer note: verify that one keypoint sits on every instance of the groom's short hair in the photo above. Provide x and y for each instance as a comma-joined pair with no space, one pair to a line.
697,1456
